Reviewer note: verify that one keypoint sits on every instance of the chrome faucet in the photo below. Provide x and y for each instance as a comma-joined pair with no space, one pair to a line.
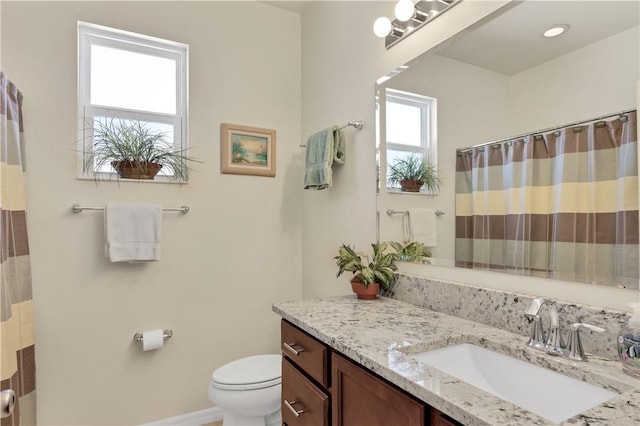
553,343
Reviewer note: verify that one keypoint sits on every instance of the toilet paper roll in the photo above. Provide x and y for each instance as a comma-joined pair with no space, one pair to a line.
152,340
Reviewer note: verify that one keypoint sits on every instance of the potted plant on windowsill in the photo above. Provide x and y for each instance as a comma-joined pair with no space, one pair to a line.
370,276
414,172
135,151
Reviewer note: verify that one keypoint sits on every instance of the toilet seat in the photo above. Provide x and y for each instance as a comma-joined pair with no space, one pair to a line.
254,372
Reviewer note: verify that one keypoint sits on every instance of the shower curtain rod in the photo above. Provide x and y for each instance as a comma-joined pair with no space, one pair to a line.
537,132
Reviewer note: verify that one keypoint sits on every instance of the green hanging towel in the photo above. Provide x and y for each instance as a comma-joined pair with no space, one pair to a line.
324,149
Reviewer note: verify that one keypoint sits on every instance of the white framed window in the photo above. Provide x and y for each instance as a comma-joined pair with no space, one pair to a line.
411,128
125,76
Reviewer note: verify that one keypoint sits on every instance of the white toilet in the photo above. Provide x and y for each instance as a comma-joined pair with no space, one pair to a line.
248,391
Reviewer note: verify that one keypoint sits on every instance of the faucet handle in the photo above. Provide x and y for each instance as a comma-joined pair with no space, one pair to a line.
577,325
532,311
574,349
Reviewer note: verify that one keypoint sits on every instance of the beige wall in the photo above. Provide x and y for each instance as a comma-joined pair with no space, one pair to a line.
341,62
571,87
223,264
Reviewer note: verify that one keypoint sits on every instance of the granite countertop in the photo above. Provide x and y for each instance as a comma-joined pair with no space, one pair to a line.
379,334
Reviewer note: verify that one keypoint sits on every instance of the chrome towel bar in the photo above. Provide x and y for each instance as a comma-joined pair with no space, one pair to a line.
77,208
391,212
359,125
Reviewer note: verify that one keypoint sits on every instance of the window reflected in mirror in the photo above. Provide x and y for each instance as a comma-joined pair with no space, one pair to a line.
411,138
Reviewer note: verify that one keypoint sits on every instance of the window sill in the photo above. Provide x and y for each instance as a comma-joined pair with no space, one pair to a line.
115,179
398,191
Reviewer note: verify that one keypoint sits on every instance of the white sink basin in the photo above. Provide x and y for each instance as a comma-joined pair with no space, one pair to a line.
544,392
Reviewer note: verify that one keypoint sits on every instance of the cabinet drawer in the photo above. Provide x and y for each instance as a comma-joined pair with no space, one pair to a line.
306,352
303,403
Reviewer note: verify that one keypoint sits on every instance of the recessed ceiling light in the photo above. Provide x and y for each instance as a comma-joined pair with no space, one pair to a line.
556,30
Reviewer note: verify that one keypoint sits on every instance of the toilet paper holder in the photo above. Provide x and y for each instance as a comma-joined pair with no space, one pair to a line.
166,334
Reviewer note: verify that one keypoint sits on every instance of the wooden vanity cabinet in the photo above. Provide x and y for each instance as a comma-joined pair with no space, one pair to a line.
305,378
320,387
360,398
439,419
309,354
303,403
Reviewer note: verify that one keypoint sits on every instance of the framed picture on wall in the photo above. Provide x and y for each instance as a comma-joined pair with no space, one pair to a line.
247,150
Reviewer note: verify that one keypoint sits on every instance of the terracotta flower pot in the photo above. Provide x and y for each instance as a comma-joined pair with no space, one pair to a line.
369,292
135,170
408,185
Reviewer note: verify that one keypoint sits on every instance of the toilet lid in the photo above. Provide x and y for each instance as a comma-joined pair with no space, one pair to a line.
265,370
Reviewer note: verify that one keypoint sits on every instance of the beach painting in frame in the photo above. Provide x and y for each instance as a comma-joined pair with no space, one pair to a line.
247,150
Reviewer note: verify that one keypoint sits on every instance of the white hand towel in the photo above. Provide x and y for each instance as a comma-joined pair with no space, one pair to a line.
423,226
132,232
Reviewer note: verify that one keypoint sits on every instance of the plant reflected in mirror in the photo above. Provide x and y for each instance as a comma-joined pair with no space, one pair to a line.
413,251
412,172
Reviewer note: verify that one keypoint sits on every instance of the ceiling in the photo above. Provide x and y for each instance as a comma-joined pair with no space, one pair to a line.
293,6
513,41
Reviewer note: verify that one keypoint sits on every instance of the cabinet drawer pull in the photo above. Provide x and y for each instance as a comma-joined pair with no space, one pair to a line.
291,347
292,409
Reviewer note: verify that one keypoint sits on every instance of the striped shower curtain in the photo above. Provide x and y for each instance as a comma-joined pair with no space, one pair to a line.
17,360
560,205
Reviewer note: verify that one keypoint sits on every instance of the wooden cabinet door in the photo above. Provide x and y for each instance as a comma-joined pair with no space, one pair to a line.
358,398
303,403
439,419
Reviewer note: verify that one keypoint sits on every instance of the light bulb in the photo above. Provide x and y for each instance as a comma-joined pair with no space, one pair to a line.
382,27
404,10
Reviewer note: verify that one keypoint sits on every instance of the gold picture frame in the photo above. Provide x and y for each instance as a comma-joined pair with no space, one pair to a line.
246,150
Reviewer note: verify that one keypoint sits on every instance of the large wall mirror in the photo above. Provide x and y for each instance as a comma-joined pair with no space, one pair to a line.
502,78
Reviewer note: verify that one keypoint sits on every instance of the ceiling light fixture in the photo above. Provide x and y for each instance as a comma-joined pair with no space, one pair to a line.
556,30
383,27
404,10
409,17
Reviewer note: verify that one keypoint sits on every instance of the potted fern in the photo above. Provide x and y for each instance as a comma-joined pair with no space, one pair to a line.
414,172
370,275
135,151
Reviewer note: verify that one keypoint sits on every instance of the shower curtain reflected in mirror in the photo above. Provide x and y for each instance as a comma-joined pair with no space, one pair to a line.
561,205
17,359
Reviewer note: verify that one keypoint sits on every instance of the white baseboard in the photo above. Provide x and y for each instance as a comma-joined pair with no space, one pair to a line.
195,418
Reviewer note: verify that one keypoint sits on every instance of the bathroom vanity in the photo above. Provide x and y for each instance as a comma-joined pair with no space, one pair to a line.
319,384
352,362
